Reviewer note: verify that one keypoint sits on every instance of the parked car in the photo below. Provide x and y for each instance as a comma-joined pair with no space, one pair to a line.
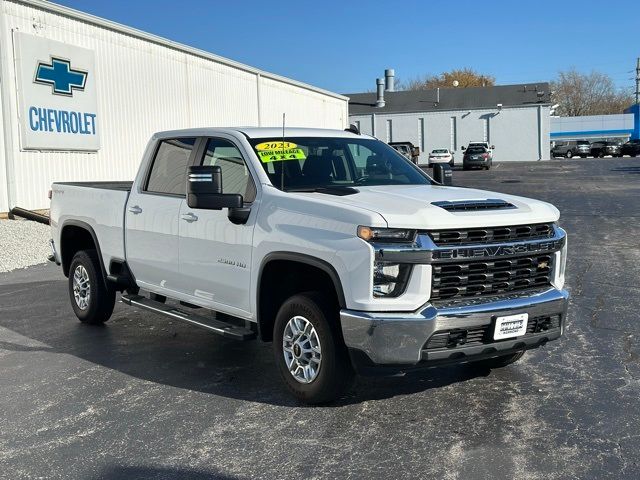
572,148
490,148
477,156
407,149
604,148
441,155
327,244
631,148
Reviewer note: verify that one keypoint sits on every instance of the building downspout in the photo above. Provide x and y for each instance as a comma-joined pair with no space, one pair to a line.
540,146
258,82
7,112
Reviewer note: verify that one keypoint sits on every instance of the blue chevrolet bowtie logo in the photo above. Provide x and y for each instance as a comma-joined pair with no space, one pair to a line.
61,76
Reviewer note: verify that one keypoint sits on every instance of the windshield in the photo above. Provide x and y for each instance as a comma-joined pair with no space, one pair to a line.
311,163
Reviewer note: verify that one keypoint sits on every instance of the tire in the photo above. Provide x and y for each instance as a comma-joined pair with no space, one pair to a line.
499,362
600,154
334,372
451,163
92,301
569,154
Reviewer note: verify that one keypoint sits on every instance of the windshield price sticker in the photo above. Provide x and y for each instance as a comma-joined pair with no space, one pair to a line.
279,151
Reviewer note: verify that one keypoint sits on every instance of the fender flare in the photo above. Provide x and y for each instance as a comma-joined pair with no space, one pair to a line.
304,259
91,231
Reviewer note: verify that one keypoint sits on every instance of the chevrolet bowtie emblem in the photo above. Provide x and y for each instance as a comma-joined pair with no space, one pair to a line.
542,265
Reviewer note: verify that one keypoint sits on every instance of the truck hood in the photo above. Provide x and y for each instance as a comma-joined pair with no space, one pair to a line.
411,206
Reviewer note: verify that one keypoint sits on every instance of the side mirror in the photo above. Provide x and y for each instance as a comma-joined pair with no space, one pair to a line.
204,189
493,147
415,151
443,174
463,148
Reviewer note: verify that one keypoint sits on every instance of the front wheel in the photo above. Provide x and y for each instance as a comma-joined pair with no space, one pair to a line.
91,299
569,154
308,348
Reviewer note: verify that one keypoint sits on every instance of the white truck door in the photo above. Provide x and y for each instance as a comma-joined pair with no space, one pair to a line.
153,209
215,254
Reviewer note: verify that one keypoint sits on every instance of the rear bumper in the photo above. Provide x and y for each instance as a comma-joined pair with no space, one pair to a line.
398,340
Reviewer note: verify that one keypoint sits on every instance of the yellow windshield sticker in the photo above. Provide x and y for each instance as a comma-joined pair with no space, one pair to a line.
274,145
279,151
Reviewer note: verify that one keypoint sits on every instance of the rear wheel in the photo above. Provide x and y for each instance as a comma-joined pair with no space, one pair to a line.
501,361
569,154
91,299
308,348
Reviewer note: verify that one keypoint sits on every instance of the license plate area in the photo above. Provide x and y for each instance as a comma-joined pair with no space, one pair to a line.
510,326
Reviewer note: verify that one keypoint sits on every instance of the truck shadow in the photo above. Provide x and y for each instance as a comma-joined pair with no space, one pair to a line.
155,349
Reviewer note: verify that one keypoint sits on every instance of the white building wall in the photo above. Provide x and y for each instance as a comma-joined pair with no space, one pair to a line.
518,133
145,84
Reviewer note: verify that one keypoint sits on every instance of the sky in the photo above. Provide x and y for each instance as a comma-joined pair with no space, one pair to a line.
343,46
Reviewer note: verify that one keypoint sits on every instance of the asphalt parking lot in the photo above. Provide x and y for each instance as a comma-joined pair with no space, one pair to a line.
144,397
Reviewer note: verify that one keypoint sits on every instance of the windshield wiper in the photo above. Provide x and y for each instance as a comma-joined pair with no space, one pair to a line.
329,190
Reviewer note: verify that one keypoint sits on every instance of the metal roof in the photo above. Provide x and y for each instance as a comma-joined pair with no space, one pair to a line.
117,27
451,99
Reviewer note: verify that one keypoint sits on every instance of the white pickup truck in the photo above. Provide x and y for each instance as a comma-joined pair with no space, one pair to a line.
327,243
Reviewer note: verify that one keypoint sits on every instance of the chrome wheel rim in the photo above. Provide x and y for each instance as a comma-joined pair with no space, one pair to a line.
81,287
301,349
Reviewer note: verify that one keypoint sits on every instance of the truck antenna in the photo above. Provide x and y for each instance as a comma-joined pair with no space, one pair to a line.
282,163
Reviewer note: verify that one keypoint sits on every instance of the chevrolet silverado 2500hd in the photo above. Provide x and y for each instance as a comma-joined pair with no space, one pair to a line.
329,244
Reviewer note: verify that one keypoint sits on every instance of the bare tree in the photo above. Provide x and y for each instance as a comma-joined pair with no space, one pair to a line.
587,94
464,78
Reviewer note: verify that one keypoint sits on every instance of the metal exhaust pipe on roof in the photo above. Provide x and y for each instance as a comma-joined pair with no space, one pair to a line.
390,80
380,96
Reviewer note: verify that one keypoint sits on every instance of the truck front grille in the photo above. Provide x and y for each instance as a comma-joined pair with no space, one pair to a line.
491,234
495,277
482,334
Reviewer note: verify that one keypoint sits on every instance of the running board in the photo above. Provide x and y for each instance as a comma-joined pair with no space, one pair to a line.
216,326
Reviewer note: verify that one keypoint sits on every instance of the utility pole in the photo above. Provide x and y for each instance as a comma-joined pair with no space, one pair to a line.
638,81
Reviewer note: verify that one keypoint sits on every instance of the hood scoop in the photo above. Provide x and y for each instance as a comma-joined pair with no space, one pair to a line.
474,205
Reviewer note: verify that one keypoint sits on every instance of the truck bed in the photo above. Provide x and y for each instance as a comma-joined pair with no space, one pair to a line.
97,205
111,185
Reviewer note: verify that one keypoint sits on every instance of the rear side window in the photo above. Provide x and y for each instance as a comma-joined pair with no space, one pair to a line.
169,169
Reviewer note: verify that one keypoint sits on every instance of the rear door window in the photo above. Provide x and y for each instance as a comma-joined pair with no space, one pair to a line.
169,169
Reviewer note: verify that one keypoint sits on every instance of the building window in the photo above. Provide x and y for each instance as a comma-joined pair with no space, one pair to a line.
421,134
389,131
454,135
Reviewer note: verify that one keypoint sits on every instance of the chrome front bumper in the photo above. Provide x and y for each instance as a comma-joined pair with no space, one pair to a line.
388,338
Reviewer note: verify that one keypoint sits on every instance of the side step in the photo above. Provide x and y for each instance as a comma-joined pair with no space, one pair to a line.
216,326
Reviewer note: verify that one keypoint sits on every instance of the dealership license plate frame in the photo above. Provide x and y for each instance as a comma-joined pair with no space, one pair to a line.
503,330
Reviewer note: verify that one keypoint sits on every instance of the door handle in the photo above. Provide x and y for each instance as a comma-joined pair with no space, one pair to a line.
189,217
135,209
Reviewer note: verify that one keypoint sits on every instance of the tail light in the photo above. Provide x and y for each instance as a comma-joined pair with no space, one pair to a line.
485,155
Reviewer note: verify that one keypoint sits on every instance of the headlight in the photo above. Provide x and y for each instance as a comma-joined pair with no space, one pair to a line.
371,234
389,279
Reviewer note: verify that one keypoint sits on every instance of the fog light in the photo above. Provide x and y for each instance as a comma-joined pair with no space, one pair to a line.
389,279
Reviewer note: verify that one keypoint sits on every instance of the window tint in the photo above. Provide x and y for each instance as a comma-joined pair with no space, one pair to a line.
170,166
236,177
